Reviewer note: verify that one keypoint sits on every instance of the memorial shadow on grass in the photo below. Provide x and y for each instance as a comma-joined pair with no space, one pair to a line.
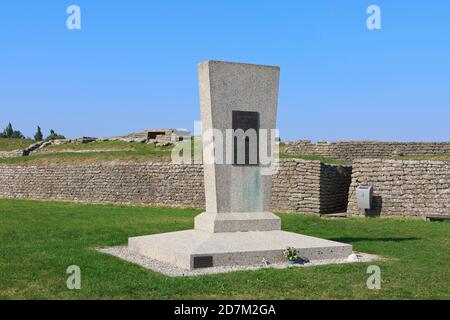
39,240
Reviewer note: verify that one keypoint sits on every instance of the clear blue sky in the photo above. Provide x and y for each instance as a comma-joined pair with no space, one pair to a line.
133,65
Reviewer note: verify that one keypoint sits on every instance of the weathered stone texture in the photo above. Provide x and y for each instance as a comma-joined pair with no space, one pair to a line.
11,154
351,150
150,183
299,186
403,187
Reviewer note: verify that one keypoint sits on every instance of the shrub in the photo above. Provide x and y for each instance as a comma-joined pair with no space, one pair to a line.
54,136
9,132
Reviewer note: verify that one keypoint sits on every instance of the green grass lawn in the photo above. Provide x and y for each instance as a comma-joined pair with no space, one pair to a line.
117,150
9,144
103,145
88,157
95,152
314,157
107,151
134,151
442,157
39,240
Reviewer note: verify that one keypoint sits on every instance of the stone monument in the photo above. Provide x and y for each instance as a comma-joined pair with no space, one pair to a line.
238,110
237,96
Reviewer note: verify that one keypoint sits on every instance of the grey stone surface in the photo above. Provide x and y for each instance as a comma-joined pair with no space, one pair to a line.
226,87
173,271
237,221
233,248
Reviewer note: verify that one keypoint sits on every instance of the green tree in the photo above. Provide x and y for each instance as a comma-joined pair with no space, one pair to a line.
17,135
54,136
8,131
38,135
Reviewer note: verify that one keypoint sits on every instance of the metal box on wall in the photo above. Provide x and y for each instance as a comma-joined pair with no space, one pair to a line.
364,197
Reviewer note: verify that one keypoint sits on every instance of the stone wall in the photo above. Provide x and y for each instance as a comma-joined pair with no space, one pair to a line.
350,150
299,186
11,154
310,186
147,183
403,187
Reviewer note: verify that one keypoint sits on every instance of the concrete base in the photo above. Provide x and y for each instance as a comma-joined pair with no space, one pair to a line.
192,249
239,221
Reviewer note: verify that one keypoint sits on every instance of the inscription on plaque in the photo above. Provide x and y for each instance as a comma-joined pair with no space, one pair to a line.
203,262
246,120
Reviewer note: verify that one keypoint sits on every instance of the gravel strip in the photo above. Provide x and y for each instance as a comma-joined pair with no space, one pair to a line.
172,271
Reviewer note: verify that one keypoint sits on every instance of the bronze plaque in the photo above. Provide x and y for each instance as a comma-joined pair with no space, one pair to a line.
203,262
245,120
